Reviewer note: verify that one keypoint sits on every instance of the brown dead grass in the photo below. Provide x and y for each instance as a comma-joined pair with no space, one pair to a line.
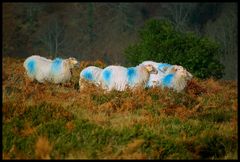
14,153
133,146
130,151
118,109
28,130
129,101
98,63
77,154
70,126
212,86
194,89
43,148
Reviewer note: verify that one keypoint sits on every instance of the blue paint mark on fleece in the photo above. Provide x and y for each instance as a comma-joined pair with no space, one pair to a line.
31,66
162,65
167,80
107,74
131,75
88,75
56,65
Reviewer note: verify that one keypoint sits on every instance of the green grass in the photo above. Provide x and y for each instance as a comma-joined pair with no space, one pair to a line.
141,124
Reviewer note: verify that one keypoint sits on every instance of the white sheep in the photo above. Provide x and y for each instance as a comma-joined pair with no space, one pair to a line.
91,74
154,78
42,69
119,78
171,76
176,78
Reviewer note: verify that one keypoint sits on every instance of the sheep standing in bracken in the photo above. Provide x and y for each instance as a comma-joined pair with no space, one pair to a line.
171,76
42,69
176,78
154,78
91,74
119,78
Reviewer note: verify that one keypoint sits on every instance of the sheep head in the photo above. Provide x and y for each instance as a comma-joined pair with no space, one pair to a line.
72,62
181,71
151,69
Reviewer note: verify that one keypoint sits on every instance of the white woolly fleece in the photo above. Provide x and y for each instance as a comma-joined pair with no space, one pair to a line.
119,77
42,70
178,82
91,74
154,79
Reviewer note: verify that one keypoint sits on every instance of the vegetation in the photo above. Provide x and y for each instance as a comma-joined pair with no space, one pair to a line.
91,31
47,121
160,42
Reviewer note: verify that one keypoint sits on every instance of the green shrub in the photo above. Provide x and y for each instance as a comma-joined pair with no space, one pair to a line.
161,43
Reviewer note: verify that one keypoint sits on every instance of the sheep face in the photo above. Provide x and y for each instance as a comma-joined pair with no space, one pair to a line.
181,71
151,69
72,61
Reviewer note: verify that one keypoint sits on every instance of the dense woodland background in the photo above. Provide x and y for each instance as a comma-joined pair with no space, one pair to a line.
91,31
49,121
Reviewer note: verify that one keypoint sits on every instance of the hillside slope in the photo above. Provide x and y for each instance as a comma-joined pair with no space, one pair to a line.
46,121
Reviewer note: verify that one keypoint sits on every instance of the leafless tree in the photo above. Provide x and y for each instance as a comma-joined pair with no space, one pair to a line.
52,35
178,14
224,30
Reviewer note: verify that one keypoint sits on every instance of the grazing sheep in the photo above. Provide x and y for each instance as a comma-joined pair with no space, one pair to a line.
42,69
171,76
91,74
119,78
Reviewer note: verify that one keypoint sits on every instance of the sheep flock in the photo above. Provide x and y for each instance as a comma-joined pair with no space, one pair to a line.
147,74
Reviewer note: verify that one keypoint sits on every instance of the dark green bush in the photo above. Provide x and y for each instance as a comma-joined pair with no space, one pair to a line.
161,43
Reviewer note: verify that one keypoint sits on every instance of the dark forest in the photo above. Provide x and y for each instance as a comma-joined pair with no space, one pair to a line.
92,31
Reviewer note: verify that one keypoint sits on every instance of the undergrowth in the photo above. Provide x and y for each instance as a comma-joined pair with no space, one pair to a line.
47,121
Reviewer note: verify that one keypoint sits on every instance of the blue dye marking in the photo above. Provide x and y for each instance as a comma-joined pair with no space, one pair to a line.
107,76
162,65
31,66
167,80
88,75
131,75
56,65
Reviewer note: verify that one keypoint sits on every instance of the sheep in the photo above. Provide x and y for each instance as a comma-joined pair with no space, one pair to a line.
176,78
119,78
42,69
171,76
161,67
154,78
91,74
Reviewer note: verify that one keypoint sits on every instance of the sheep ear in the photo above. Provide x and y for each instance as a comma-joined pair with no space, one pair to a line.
72,61
68,61
173,69
165,69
